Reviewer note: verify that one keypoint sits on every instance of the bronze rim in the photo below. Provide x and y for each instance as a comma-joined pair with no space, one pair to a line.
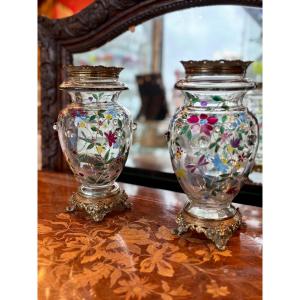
93,71
215,67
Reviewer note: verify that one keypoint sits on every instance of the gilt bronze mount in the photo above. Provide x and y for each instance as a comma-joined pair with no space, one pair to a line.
218,231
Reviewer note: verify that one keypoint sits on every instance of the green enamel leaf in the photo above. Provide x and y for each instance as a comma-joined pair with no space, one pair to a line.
120,123
100,113
189,135
224,118
235,174
95,96
92,118
217,98
192,98
90,146
224,175
109,161
224,106
212,145
184,129
222,129
106,155
93,128
85,139
217,148
189,95
100,132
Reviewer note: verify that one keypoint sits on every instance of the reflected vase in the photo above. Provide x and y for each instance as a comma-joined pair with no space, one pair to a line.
95,134
212,142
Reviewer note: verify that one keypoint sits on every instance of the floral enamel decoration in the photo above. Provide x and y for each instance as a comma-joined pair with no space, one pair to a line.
180,173
178,153
200,164
95,133
203,122
219,165
111,138
193,119
225,136
217,138
206,123
235,142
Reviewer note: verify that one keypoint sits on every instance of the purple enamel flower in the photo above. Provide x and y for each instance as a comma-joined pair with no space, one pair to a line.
235,142
203,103
201,162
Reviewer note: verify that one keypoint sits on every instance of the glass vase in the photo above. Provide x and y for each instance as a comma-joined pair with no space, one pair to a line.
95,134
212,142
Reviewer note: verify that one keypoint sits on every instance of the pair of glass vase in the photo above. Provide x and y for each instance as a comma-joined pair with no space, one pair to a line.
212,141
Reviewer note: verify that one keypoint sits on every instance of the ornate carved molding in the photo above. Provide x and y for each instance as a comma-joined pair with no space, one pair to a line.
92,27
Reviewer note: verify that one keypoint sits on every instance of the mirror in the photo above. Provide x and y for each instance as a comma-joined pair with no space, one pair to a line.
150,54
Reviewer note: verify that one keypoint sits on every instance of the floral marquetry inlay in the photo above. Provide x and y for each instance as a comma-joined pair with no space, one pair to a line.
80,255
136,256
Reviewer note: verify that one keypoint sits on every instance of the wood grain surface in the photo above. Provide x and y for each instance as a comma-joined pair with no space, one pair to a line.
133,254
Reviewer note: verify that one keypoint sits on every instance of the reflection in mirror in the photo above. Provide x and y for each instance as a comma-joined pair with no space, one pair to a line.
150,54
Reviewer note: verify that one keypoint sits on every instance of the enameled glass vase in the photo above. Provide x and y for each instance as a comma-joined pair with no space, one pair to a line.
212,142
95,134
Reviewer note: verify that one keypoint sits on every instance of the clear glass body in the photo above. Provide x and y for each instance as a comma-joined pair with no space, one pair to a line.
95,134
213,141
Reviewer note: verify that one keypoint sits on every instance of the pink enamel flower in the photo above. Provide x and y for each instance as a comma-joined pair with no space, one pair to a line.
111,138
206,123
193,119
225,136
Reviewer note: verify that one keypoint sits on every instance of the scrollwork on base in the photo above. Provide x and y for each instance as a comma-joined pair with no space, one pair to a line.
97,208
218,231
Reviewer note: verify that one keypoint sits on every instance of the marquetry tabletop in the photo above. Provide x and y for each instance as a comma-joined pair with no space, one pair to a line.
134,255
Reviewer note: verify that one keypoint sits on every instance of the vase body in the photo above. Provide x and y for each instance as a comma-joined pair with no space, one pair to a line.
95,132
213,140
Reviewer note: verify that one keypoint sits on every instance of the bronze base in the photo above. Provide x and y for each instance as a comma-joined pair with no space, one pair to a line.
219,231
97,208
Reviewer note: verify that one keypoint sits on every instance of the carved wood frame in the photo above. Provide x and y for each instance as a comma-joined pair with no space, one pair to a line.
97,24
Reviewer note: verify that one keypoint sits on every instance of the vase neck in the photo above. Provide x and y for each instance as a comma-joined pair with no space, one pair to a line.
93,84
214,99
94,97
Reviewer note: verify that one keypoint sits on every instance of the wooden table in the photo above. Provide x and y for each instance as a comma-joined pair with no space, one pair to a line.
133,255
